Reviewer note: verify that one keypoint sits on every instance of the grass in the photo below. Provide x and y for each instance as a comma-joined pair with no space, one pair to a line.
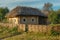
6,32
33,36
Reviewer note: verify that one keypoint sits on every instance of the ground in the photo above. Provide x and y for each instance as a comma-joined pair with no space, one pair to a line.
33,36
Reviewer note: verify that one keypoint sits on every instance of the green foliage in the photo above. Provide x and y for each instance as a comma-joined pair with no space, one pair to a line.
58,19
58,11
54,30
55,33
53,17
2,29
58,16
5,31
13,30
3,12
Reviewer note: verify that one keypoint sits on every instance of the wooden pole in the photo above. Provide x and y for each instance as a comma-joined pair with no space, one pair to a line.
26,27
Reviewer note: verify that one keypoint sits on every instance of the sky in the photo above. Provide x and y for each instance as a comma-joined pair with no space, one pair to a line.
11,4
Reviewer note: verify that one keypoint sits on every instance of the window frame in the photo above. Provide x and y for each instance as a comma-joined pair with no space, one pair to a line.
32,19
24,19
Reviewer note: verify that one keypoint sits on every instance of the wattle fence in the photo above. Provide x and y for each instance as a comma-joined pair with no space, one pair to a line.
35,28
31,28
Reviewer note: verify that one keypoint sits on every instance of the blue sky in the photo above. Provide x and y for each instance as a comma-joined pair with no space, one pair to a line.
29,3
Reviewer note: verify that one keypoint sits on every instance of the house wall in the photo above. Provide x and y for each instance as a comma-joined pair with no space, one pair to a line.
28,20
13,20
42,20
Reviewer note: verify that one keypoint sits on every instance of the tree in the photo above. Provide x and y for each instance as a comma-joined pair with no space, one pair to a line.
47,6
58,16
53,17
58,11
3,12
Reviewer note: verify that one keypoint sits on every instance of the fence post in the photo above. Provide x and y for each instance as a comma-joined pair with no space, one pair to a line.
26,27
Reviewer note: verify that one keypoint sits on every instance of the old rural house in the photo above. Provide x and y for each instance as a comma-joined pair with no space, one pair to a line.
26,15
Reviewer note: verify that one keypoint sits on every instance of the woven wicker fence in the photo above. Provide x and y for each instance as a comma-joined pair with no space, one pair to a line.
35,28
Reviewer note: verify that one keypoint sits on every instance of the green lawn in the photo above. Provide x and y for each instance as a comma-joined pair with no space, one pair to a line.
33,36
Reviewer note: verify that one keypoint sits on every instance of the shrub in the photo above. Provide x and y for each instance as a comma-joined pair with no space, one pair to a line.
54,31
13,30
5,31
2,29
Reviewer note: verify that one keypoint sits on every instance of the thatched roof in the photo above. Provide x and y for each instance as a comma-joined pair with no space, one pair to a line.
26,11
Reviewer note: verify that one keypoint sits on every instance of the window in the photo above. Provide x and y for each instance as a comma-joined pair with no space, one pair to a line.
33,20
24,20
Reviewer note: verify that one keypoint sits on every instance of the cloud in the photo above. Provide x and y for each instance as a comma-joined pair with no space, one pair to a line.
11,1
30,3
14,3
34,4
8,2
56,4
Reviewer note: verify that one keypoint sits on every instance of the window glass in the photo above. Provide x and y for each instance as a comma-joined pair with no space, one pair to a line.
24,20
33,20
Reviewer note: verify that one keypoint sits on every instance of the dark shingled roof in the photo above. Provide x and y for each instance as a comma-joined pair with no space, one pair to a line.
27,11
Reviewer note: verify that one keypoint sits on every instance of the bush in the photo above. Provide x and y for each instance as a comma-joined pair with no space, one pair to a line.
54,31
13,30
2,29
5,31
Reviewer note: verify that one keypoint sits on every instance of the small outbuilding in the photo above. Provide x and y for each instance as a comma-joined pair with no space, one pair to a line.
26,15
